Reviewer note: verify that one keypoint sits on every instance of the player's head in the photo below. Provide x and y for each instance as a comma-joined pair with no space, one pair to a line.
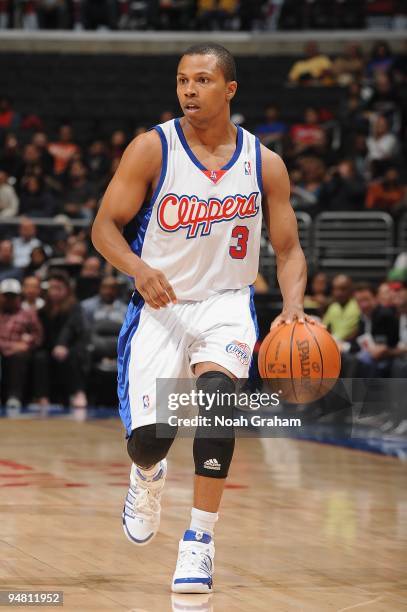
206,81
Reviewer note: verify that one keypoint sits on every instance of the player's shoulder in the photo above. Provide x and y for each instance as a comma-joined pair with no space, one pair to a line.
144,153
273,166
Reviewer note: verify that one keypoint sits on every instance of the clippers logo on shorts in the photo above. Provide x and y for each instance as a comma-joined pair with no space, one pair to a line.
240,350
176,212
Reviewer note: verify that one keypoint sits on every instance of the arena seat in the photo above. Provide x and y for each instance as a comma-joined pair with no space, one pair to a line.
356,243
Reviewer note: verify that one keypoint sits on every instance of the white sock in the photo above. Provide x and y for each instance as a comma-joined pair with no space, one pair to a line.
149,472
203,521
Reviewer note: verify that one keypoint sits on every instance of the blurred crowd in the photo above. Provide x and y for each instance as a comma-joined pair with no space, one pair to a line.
202,14
354,159
61,306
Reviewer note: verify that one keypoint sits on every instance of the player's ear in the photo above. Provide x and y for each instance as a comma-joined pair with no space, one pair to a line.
231,88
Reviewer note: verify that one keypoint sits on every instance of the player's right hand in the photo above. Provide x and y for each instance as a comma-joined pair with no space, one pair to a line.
154,287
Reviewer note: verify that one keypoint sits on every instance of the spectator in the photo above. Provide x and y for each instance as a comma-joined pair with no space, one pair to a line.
309,188
118,143
105,314
381,59
273,130
38,265
79,196
7,267
98,163
63,150
9,118
349,66
24,244
20,333
307,136
8,197
215,14
377,332
58,365
32,163
53,14
35,200
10,159
388,193
92,268
40,141
343,189
313,68
384,295
342,316
385,100
31,294
318,297
382,146
106,305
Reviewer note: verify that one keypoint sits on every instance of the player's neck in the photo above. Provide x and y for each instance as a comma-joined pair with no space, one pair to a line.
218,131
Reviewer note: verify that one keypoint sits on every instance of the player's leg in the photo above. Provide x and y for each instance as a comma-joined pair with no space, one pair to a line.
213,451
147,349
221,354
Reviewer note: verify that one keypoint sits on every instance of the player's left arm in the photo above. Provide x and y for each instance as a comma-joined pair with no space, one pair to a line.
282,228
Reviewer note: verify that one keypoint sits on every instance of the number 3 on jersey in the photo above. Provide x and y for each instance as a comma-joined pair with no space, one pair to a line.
239,250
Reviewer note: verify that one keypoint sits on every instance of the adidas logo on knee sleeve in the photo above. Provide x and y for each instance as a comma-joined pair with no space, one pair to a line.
212,464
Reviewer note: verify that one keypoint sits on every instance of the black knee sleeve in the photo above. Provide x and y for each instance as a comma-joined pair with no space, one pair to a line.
214,446
145,449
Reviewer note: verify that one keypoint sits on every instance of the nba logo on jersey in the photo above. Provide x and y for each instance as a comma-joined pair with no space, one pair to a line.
214,176
247,168
146,402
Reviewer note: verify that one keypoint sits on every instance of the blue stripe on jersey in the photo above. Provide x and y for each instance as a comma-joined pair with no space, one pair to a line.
135,230
252,370
259,171
195,160
127,332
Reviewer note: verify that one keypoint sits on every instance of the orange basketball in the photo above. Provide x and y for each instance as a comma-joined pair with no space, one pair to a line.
301,361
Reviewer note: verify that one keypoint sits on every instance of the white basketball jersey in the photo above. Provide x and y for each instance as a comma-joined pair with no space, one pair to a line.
202,227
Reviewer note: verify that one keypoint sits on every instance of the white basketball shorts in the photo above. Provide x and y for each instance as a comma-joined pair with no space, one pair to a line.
167,343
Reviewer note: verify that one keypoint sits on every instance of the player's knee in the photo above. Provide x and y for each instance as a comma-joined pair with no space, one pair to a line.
214,444
145,448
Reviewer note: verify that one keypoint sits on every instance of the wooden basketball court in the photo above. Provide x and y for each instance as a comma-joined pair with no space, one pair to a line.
304,526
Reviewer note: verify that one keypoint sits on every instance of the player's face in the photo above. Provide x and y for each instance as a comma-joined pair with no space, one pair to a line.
202,90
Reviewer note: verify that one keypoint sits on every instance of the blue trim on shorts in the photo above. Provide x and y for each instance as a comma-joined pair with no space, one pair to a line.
252,369
127,332
135,231
259,171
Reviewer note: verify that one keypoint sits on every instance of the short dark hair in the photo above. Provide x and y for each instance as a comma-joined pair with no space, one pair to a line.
225,59
363,286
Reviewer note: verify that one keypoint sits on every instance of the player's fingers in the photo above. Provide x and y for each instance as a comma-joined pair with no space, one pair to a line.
150,299
159,296
170,291
278,321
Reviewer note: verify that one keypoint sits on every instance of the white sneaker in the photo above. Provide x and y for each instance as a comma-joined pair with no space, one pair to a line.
13,407
142,508
195,564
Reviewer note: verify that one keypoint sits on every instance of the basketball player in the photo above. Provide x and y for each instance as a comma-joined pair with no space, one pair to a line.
182,216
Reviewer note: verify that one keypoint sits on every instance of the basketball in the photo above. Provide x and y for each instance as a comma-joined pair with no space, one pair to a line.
301,361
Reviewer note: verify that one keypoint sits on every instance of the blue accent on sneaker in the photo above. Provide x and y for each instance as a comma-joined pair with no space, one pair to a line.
207,581
158,476
131,537
190,536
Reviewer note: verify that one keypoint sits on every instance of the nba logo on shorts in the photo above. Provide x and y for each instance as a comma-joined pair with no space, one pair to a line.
247,168
146,402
